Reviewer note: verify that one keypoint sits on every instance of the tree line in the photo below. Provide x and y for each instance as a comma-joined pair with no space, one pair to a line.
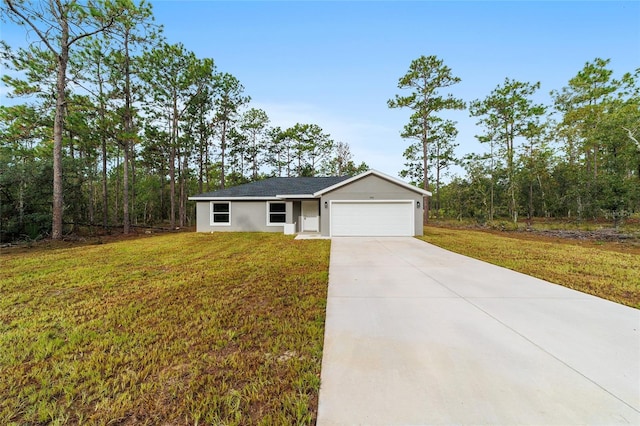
126,125
577,158
116,127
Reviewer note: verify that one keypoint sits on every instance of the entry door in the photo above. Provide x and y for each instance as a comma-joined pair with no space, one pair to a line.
310,220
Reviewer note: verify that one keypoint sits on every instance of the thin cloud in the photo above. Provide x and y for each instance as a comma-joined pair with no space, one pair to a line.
369,141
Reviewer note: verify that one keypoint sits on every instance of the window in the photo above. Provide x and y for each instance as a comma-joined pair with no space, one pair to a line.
220,213
277,213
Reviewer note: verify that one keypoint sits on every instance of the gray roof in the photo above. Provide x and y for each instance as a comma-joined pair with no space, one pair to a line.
276,186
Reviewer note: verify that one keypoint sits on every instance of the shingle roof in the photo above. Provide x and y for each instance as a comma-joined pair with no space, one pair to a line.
276,186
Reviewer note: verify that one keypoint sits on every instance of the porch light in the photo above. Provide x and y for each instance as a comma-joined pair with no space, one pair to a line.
418,204
326,205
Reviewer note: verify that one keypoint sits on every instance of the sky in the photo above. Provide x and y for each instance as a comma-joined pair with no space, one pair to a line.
336,63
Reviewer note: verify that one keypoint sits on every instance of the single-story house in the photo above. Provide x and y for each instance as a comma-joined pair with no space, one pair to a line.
369,204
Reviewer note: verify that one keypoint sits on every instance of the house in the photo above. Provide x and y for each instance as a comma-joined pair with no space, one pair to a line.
369,204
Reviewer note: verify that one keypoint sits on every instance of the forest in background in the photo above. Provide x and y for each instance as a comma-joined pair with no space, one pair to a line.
113,126
577,159
144,124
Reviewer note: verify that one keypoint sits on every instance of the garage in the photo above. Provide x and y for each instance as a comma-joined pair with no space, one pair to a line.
389,218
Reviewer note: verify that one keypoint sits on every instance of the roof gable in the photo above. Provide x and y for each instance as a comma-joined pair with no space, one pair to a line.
273,187
375,173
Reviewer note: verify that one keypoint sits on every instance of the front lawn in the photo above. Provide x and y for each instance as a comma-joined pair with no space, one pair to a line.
605,269
187,328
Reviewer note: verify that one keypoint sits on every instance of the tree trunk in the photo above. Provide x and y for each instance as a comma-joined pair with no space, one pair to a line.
183,191
491,208
21,190
530,173
180,187
92,200
530,201
172,166
254,158
172,187
206,168
125,190
116,211
105,198
128,129
162,176
132,160
200,164
510,173
75,185
58,126
437,162
103,145
223,146
425,171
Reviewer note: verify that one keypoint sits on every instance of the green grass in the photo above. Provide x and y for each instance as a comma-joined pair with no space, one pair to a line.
187,328
600,269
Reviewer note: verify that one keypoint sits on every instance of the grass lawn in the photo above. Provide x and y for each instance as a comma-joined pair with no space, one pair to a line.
187,328
604,269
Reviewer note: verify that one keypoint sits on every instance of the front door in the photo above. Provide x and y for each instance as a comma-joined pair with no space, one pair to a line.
310,220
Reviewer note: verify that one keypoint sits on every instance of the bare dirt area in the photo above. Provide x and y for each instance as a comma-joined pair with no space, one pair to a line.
596,234
606,239
607,234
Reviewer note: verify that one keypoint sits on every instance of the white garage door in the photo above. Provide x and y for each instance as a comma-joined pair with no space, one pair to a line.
372,218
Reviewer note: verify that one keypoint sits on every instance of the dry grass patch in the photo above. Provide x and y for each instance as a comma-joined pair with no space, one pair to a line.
599,269
186,328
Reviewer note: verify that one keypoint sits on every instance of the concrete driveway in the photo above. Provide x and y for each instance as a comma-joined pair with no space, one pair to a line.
419,335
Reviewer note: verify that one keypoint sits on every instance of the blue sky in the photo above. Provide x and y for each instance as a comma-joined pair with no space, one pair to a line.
336,63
